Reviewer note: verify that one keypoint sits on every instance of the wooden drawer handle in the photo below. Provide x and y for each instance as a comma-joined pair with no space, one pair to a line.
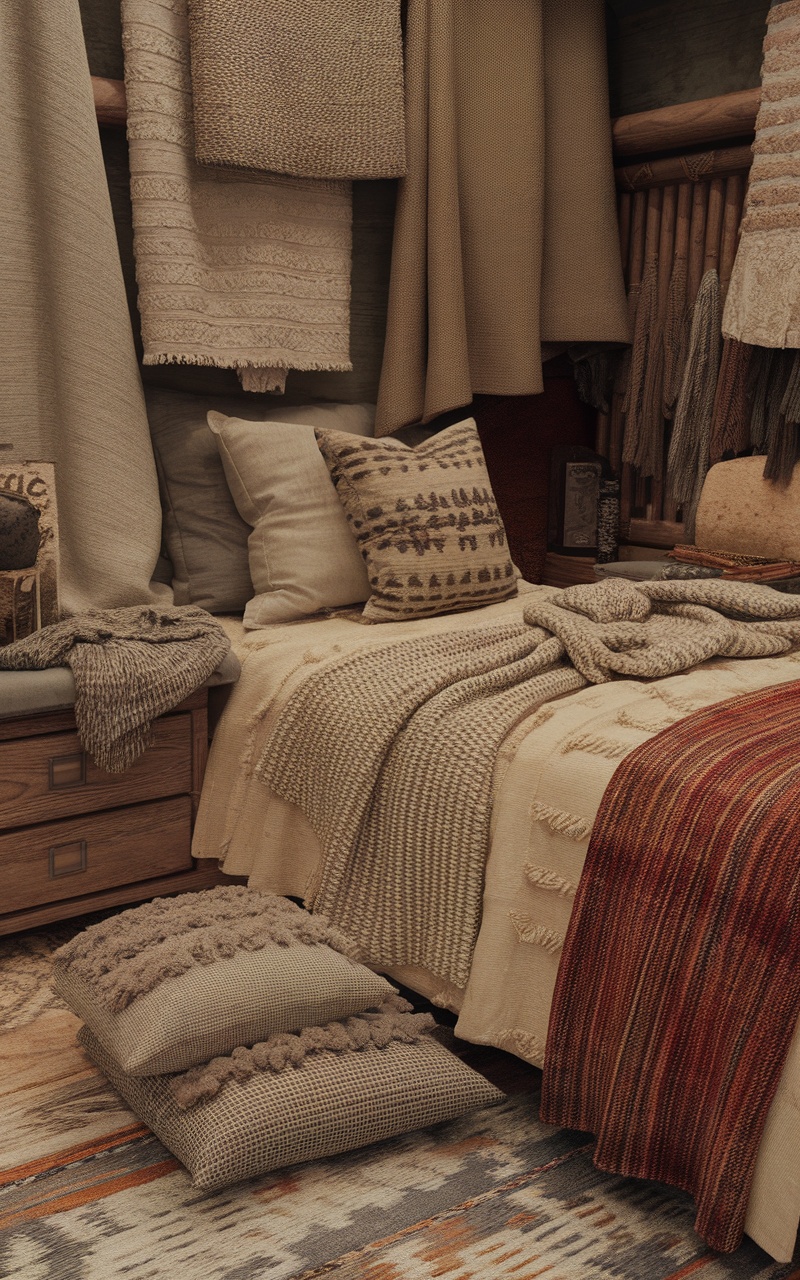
67,859
67,771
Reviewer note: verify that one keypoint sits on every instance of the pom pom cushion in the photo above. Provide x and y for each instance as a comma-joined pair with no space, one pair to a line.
425,520
181,980
302,554
345,1086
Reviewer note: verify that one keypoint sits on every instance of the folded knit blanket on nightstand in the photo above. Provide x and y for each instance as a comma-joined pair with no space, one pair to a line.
130,666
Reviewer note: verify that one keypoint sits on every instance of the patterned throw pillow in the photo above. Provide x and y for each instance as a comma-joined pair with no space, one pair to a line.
425,519
338,1088
180,980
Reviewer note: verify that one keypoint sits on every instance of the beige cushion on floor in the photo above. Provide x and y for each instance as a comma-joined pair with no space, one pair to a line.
209,1010
204,533
742,512
332,1102
303,556
180,980
426,522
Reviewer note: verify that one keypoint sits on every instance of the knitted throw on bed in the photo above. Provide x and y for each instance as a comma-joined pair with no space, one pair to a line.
130,666
390,752
698,989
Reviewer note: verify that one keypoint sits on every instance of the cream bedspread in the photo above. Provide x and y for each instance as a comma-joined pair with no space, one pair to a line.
550,776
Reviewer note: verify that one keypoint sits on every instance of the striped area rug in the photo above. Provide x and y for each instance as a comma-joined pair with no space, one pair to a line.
87,1193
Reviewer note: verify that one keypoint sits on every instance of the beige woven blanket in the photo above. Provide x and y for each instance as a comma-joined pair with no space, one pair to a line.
299,86
762,306
240,270
403,810
130,666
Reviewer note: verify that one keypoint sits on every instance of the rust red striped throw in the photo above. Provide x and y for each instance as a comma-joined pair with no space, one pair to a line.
679,985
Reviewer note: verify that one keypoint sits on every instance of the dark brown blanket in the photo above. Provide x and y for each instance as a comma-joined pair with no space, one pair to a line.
679,985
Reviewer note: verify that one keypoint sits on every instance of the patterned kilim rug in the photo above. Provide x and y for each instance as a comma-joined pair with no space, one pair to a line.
87,1193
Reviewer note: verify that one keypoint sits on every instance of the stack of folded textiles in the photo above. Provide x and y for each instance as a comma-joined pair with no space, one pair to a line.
738,568
245,1034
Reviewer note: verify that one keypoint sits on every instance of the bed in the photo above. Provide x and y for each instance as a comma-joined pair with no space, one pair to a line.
415,533
549,778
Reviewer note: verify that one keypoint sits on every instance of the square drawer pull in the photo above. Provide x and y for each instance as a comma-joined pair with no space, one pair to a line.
68,771
67,859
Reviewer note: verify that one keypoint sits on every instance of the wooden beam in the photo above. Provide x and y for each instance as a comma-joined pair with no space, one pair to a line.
109,100
687,124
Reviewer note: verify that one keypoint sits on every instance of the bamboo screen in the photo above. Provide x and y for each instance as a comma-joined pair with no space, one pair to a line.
678,218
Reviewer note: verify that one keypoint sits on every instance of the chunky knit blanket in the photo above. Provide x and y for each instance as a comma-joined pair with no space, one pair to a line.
698,827
130,666
390,752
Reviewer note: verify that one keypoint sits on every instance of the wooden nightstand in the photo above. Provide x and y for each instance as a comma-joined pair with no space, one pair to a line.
74,838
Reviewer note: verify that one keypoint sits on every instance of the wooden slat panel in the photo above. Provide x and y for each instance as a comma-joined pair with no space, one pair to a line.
35,772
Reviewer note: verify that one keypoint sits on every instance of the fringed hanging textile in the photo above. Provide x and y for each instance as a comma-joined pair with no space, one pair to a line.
688,452
730,421
763,303
783,441
236,269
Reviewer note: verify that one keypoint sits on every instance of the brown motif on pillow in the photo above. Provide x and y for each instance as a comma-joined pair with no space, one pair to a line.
425,520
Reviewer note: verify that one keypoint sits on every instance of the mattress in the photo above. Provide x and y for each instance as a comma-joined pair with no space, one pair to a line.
549,779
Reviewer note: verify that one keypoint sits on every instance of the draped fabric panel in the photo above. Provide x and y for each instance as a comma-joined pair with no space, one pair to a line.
506,233
71,390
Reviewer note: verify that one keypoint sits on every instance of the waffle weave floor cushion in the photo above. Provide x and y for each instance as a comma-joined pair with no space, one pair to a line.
425,520
181,980
391,1078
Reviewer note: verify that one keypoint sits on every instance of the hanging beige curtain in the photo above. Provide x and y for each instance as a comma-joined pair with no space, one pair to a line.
71,392
506,233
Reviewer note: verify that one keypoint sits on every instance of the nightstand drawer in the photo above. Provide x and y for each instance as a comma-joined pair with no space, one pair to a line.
51,777
80,855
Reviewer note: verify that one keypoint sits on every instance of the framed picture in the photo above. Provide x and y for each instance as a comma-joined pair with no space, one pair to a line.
28,548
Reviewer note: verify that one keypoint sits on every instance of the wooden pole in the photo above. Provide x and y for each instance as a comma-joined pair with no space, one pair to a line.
109,101
687,124
697,241
716,208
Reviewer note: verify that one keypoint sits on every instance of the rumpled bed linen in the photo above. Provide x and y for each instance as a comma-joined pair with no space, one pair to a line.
549,777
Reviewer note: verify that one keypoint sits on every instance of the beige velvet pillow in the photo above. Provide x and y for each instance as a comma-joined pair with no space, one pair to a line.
204,534
333,1101
425,520
302,554
182,980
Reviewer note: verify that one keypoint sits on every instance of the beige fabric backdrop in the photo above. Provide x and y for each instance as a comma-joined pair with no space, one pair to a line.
71,391
506,231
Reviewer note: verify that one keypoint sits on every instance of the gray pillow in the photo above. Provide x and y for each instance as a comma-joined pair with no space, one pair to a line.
204,534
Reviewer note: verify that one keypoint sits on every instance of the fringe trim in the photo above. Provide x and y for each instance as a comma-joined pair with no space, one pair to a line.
571,825
131,954
393,1021
596,746
234,362
536,935
522,1043
629,721
544,878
